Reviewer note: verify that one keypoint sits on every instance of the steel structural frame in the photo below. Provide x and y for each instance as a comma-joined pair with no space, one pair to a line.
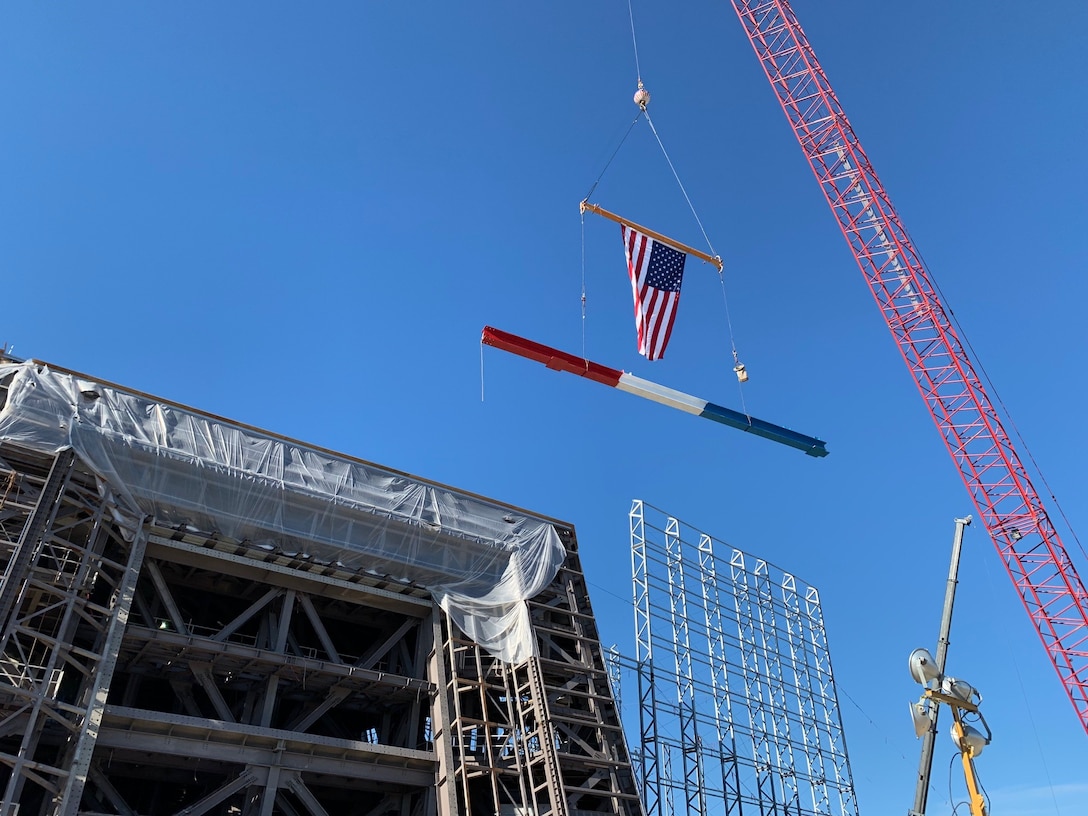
247,668
1012,511
573,696
757,695
745,659
769,642
68,587
649,744
691,754
831,733
100,611
718,660
802,680
542,737
488,740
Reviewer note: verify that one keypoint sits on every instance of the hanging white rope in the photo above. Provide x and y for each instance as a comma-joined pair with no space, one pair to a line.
583,217
738,367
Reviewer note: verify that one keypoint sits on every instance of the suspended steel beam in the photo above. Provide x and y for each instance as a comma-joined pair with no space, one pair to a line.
615,378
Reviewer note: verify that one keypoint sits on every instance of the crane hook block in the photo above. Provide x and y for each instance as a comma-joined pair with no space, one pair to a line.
642,96
742,372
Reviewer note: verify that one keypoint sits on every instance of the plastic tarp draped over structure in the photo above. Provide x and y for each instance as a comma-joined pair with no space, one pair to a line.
480,560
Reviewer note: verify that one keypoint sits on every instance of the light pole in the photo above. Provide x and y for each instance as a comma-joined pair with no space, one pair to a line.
940,689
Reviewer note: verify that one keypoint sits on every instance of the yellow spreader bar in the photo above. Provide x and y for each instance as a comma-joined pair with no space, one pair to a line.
657,236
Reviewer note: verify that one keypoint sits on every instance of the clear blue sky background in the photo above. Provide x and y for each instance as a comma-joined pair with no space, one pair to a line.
301,215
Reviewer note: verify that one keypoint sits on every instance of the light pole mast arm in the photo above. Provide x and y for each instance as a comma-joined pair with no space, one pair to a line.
950,593
925,763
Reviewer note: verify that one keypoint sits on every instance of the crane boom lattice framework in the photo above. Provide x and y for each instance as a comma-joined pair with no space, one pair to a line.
1010,507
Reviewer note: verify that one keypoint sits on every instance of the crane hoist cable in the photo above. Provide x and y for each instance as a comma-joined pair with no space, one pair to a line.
642,100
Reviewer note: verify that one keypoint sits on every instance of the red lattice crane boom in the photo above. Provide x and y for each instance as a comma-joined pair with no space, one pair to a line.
1008,504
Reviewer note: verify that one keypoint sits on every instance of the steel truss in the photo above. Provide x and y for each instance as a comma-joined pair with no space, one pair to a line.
737,706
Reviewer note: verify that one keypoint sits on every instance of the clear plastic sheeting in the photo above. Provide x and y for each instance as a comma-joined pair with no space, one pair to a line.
481,560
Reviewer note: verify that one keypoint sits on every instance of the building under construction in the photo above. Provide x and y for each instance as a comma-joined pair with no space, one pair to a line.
197,616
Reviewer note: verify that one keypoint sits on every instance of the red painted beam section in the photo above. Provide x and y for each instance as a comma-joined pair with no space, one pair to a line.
553,358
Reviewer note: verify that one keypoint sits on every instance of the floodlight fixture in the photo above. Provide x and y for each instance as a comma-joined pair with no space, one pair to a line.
919,713
922,667
972,742
958,688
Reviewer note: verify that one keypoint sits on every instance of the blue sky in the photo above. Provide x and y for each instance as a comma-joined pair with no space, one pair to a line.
302,218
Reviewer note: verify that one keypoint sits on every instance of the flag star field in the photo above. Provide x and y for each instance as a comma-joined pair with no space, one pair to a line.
666,270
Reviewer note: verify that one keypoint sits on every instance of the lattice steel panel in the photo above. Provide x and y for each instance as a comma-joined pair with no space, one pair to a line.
736,703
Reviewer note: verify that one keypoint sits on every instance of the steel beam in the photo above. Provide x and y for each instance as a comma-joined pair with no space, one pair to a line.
319,628
336,695
177,620
176,735
102,782
80,757
246,615
222,793
294,783
442,721
253,569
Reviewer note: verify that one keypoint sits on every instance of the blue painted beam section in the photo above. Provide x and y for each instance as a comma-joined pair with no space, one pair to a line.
768,430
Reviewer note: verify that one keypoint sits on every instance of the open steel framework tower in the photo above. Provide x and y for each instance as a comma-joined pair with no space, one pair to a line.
737,710
200,617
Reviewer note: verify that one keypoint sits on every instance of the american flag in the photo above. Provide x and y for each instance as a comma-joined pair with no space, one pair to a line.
656,271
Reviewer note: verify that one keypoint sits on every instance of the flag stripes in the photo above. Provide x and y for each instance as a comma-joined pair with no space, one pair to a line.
657,272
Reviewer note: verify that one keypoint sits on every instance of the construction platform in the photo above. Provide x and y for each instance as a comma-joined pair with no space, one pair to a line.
197,616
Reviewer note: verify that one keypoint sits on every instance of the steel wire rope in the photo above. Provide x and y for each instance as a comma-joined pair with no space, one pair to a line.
864,713
634,42
582,216
593,187
721,276
991,581
737,366
608,163
977,362
676,176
